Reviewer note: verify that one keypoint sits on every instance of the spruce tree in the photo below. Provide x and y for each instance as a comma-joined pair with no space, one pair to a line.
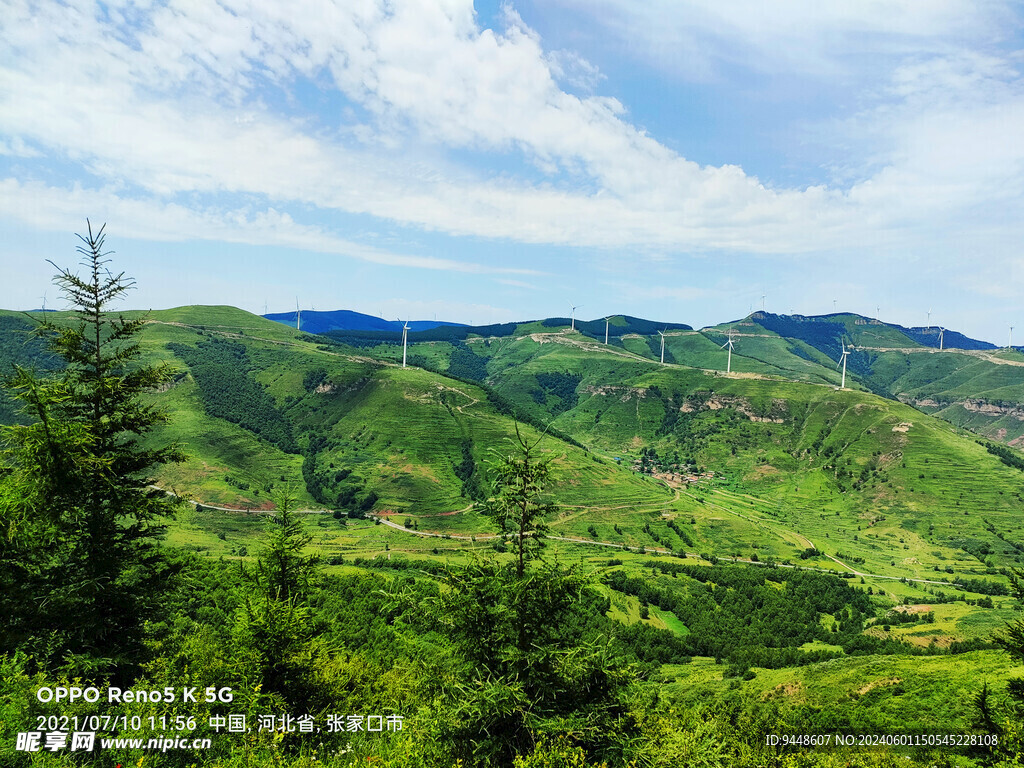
81,567
518,504
277,632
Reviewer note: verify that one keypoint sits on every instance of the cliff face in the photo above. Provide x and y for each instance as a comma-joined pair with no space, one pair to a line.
981,406
997,421
1015,410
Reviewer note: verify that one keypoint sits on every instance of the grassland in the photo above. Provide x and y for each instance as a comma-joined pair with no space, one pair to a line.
873,486
868,694
796,472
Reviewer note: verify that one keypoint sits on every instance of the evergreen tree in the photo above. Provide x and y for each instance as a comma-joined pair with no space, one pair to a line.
278,633
283,572
1011,639
533,664
80,567
518,504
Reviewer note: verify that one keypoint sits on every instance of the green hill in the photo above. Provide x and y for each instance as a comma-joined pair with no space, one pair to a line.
876,485
860,482
971,385
257,405
664,476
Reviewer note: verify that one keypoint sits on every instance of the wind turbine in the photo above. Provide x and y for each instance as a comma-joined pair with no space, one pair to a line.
606,321
298,315
941,332
728,364
405,338
1009,341
929,318
878,311
44,301
846,352
662,346
762,302
572,326
834,306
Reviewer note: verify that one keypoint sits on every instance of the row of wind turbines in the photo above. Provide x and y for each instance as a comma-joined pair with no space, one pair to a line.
729,343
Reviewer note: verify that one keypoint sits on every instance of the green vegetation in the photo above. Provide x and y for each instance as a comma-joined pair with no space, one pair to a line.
518,505
664,566
79,571
219,369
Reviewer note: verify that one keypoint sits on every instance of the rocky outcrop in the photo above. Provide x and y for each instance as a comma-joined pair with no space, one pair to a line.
741,405
1016,410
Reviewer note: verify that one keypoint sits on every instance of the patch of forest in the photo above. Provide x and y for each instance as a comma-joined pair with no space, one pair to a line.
220,369
761,617
18,347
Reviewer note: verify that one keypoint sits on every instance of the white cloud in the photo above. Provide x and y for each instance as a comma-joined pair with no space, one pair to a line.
16,147
163,112
703,39
64,210
173,103
571,68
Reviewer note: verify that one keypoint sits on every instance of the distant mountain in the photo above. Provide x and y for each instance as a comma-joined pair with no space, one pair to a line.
315,321
618,326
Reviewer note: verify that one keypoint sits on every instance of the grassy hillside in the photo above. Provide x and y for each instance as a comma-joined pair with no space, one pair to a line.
861,483
19,347
871,481
360,432
708,507
967,383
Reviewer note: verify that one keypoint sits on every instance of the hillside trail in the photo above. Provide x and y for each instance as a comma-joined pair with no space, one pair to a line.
568,539
472,400
982,354
659,551
563,337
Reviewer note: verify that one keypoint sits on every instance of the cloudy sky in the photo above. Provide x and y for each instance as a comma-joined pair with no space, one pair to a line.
672,159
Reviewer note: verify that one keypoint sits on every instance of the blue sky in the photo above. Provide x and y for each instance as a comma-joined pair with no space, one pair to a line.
672,159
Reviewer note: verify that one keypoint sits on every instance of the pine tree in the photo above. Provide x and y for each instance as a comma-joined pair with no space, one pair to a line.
518,504
277,631
79,510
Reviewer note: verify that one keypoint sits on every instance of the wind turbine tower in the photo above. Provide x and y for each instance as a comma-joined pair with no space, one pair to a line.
572,322
728,364
405,339
298,315
662,347
846,352
1009,341
606,321
942,331
929,318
